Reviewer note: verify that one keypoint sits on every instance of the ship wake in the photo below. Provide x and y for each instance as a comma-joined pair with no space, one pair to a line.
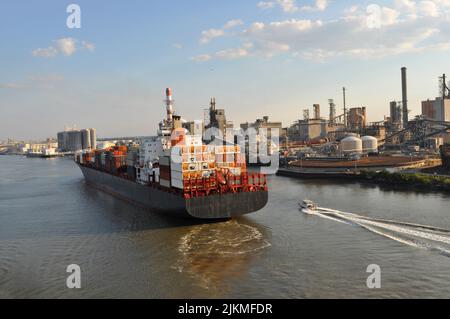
416,235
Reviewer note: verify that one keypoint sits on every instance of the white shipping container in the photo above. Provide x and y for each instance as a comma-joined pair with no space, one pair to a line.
195,140
177,183
177,175
176,167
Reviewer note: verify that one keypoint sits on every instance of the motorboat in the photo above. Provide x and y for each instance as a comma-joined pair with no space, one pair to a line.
308,204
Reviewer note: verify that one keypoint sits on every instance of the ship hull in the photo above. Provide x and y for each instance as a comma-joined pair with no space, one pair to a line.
161,201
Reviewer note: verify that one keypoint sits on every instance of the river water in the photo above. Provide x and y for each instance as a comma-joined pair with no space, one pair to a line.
50,219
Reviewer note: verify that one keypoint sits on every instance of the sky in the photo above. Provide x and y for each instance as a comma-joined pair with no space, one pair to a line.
257,58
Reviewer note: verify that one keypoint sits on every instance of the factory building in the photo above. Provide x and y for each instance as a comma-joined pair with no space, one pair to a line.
194,127
308,130
262,127
396,115
438,109
357,118
76,140
216,118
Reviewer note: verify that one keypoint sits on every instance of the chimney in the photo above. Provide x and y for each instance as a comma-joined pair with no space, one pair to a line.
316,111
405,97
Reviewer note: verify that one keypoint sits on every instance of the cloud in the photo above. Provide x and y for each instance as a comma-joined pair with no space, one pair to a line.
227,54
201,58
233,23
11,86
48,81
178,46
266,5
291,6
361,32
210,34
49,52
88,46
66,46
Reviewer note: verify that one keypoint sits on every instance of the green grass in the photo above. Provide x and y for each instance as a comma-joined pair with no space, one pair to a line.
417,179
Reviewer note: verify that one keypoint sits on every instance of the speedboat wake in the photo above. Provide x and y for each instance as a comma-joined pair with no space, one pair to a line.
416,235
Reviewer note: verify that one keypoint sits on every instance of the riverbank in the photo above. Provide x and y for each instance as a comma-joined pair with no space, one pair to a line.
410,180
394,180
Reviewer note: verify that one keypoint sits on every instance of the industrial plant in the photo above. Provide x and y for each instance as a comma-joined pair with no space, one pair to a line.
341,140
348,142
73,140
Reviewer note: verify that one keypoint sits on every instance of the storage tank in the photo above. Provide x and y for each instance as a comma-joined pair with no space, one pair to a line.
74,141
93,133
369,144
351,144
86,139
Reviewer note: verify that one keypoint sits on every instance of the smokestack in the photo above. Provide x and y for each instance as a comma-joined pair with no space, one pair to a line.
405,97
345,107
316,111
169,104
332,112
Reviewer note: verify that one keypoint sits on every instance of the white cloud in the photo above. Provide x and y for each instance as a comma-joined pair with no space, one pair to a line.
88,46
291,6
49,52
48,81
230,54
66,46
210,34
177,46
266,5
10,86
288,5
405,26
233,23
201,58
429,8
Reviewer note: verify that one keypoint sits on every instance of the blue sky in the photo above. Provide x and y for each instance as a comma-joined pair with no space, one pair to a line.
273,57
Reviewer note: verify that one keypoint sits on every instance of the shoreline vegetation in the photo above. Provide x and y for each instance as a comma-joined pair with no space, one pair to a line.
398,180
410,180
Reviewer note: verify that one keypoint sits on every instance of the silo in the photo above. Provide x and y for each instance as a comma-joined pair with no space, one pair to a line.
74,141
351,144
369,144
61,141
93,134
86,139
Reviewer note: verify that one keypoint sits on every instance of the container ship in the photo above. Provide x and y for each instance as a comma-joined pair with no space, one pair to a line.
176,173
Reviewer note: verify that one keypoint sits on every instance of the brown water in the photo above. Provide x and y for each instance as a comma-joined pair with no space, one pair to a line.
49,219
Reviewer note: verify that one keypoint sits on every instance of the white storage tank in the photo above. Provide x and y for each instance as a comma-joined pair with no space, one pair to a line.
86,139
351,144
369,144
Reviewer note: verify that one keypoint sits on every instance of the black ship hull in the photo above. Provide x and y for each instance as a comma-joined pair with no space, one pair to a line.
162,201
